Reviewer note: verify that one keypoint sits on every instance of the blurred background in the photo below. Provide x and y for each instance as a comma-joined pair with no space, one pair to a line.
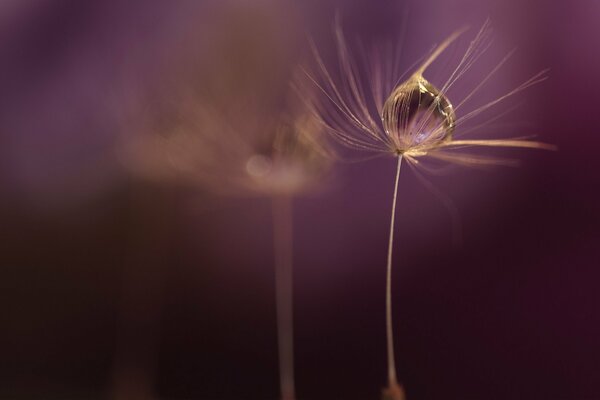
119,280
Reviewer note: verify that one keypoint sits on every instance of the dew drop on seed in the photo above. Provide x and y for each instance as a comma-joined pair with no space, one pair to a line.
417,114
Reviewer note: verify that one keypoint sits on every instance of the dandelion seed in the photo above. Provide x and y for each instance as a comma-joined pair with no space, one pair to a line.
234,125
281,162
278,159
409,120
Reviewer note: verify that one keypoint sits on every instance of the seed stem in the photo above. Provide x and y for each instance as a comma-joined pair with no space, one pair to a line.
392,379
282,243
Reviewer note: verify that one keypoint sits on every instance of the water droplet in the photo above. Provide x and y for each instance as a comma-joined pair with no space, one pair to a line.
417,115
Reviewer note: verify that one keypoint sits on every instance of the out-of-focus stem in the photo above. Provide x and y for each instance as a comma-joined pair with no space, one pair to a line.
392,379
141,298
282,243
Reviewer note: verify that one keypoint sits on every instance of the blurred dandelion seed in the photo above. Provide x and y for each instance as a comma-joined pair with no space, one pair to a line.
282,163
408,120
239,128
279,159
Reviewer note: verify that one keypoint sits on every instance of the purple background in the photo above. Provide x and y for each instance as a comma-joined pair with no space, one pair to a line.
110,276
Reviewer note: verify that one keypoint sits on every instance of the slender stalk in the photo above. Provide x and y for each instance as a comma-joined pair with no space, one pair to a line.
392,379
141,299
282,243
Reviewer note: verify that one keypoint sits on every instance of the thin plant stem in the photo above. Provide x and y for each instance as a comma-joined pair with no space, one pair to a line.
282,243
392,379
141,299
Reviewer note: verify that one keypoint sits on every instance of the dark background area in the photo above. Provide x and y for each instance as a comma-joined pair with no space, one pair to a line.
117,284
